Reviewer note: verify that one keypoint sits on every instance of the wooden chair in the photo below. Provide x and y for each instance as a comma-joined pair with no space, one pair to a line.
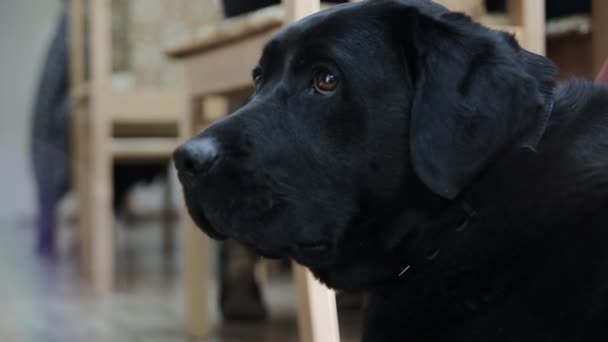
577,44
600,33
218,61
109,125
524,19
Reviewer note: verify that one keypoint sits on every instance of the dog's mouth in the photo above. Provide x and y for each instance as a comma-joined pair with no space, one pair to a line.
211,231
318,253
309,252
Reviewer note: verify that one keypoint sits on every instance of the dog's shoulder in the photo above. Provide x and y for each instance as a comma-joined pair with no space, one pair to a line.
578,101
566,178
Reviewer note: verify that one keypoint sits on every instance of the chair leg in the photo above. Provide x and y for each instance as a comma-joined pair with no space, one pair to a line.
196,246
168,222
317,311
600,33
196,278
80,172
99,178
101,225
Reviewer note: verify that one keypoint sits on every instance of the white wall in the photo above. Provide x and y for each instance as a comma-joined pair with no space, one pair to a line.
25,30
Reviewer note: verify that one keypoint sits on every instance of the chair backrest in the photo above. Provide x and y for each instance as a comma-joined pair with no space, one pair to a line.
524,18
152,25
139,31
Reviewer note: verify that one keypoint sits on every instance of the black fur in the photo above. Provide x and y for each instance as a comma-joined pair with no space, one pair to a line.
448,176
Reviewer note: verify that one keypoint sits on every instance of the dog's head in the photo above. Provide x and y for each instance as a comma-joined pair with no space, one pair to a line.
359,113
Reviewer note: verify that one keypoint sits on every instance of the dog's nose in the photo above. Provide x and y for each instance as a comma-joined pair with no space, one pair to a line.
196,156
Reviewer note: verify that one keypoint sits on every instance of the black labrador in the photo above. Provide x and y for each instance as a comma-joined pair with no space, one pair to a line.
400,149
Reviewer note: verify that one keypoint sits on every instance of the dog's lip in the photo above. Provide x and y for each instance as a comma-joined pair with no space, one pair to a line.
203,223
187,179
269,254
210,230
188,182
313,252
214,234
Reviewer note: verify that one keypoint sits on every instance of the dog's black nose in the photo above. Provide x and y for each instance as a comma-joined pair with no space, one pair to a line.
196,156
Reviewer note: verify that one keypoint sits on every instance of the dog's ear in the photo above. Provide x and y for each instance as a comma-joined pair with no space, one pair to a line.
476,93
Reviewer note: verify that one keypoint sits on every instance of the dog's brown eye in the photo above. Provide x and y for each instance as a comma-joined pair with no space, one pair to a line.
257,75
325,82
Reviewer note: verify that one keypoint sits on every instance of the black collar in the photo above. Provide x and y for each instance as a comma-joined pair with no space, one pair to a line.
453,221
537,134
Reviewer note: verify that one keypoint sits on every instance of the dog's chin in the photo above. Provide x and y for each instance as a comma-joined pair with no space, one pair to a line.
310,253
203,223
212,233
354,277
313,254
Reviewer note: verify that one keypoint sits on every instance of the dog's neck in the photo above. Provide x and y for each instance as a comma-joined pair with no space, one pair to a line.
465,255
450,223
427,237
455,263
538,131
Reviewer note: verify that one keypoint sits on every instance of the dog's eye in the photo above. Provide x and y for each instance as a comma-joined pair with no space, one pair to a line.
325,82
256,74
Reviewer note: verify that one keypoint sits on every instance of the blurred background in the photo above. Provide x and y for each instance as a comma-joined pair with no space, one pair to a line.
94,97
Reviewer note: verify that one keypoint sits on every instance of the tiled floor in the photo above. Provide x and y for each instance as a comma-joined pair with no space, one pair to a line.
43,300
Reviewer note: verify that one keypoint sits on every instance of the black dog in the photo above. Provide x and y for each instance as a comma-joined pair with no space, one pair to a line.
397,148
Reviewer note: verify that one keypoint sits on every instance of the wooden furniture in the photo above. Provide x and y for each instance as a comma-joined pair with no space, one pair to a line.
529,17
577,44
599,24
109,125
218,61
524,19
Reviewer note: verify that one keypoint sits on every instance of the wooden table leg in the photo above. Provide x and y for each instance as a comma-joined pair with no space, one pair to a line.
317,311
